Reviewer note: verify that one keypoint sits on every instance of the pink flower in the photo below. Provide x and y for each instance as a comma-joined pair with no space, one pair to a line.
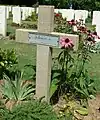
82,29
72,22
66,43
94,35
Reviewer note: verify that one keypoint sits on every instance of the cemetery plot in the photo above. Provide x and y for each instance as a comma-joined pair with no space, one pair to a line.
72,74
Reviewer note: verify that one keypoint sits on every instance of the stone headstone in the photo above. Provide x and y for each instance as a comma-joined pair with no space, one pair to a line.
17,15
3,21
7,12
70,14
27,12
67,13
30,11
56,10
63,12
98,29
81,14
24,16
96,18
10,8
37,10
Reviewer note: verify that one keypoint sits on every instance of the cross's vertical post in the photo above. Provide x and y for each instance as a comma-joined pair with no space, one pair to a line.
44,53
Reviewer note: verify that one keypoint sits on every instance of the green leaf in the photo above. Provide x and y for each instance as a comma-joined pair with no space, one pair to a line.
2,64
82,111
92,96
53,88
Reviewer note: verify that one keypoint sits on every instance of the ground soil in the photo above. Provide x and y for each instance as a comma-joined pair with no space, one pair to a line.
93,109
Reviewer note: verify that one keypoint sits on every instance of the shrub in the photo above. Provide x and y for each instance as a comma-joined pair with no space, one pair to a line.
31,110
16,90
33,17
29,26
15,25
8,59
70,75
89,20
61,24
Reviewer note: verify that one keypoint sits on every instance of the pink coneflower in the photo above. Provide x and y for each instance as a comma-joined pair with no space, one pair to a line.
91,40
72,22
82,29
66,43
94,35
88,32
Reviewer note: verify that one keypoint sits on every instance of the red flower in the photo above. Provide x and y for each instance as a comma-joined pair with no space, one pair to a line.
57,15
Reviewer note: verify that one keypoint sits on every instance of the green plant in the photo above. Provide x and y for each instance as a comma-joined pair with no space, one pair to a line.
8,59
89,20
61,24
3,112
33,17
33,77
71,109
10,15
16,90
70,75
84,84
15,25
29,25
31,110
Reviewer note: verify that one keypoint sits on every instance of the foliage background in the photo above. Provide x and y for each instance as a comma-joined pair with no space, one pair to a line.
76,4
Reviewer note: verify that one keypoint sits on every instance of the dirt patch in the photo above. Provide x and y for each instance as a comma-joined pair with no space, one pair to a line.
94,109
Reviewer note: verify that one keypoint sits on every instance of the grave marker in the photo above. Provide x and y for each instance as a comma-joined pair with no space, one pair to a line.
45,38
24,16
44,53
17,15
7,12
67,13
30,11
96,18
81,14
3,21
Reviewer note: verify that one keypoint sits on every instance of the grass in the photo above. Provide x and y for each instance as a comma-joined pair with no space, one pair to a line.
12,29
27,55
